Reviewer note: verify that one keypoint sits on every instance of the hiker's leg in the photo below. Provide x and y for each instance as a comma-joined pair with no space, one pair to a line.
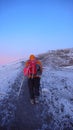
30,86
37,86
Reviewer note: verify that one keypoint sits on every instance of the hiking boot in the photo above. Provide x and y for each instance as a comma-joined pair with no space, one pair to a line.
36,100
32,101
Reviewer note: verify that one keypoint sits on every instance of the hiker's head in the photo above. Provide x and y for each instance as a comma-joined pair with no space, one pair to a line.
32,57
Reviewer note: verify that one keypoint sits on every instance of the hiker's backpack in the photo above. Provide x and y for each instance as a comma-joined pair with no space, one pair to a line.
33,69
26,71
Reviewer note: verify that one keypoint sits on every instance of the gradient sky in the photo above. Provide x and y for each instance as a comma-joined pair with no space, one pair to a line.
34,26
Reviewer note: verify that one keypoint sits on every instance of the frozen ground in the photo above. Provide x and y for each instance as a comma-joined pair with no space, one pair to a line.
55,110
10,80
8,75
57,97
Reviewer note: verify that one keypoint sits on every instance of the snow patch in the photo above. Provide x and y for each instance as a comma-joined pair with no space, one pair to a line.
8,75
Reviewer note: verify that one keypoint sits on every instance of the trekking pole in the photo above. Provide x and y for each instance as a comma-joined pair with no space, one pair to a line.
20,87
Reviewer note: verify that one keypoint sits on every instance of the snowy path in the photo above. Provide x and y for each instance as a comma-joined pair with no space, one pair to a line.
28,116
16,111
55,111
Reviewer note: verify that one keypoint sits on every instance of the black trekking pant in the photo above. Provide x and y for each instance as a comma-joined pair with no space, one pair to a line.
34,85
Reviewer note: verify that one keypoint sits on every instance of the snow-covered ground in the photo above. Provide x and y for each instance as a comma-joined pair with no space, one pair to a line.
56,93
8,75
57,98
11,78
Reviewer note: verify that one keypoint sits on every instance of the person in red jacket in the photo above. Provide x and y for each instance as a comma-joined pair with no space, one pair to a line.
34,71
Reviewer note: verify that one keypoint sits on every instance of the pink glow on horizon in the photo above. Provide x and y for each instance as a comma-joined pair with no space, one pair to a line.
6,60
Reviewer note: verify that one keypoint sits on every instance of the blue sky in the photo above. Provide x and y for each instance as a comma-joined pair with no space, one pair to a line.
34,26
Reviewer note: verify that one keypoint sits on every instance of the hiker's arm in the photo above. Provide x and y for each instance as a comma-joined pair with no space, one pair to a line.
40,64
